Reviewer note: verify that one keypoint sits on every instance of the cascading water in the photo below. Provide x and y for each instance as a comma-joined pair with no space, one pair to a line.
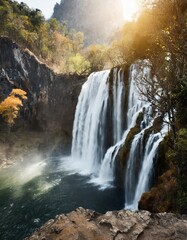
142,153
92,119
102,125
144,175
118,104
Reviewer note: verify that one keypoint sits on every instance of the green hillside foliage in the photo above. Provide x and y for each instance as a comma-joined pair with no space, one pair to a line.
49,40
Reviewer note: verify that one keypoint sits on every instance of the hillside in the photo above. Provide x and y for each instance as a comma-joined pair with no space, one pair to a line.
98,20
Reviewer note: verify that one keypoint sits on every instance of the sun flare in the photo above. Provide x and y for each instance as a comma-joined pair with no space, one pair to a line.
130,9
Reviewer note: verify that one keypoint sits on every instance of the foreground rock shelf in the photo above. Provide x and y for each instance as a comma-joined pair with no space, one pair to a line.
83,224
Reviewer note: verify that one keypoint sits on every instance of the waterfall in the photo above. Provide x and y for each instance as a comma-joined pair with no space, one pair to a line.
118,104
136,186
143,181
108,108
90,121
130,176
93,121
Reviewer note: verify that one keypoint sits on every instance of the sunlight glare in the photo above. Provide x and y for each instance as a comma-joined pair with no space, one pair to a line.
130,9
31,171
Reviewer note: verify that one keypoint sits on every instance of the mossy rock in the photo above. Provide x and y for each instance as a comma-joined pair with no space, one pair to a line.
139,119
162,198
157,124
147,133
123,153
162,161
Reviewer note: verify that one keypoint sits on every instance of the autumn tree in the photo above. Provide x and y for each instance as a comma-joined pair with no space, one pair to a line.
166,27
96,55
165,24
50,40
10,107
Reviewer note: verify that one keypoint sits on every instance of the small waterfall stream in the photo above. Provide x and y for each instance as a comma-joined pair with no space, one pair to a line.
101,127
118,100
143,181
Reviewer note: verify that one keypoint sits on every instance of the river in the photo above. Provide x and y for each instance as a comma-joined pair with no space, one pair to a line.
38,189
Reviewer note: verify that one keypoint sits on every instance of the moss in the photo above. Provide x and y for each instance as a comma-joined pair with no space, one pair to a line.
123,153
162,159
162,198
170,190
139,119
157,124
180,157
147,133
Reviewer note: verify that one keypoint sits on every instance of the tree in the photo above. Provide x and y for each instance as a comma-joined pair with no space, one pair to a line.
96,55
10,107
78,64
167,28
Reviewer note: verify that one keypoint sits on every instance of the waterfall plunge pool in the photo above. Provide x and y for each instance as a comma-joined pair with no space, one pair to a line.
33,192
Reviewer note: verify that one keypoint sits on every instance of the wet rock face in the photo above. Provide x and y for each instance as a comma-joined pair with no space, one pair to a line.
83,224
52,98
97,19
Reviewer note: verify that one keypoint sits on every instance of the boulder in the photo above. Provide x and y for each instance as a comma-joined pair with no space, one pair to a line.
83,224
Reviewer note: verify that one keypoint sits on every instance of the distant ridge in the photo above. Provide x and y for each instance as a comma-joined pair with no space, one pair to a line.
97,19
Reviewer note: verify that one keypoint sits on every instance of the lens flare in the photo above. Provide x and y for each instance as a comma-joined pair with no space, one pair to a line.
130,9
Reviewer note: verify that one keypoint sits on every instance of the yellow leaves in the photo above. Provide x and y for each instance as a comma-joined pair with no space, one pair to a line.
78,64
19,93
9,108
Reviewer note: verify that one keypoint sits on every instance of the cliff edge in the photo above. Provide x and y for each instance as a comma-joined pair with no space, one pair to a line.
83,224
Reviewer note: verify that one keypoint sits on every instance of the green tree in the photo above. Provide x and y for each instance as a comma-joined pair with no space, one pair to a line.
78,64
167,29
96,55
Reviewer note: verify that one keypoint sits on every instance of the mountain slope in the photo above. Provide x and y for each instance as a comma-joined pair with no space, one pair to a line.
97,19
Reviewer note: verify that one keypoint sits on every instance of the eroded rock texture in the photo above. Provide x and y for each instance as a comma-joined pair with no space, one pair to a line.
52,98
83,224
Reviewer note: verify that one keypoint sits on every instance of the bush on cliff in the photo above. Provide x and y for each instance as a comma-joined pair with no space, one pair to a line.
9,108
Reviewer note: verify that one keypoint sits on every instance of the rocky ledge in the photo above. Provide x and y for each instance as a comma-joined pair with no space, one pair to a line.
83,224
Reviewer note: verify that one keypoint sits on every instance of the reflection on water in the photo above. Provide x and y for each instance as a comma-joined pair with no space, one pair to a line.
39,189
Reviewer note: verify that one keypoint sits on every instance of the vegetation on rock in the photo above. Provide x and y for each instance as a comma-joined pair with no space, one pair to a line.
165,31
9,108
123,153
49,40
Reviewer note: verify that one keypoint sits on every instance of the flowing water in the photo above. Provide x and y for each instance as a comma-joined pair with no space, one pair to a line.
32,193
107,110
102,125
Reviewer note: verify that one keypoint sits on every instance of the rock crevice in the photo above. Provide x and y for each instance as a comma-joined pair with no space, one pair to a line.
115,225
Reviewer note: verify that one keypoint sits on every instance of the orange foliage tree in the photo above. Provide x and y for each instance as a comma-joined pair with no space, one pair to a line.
10,107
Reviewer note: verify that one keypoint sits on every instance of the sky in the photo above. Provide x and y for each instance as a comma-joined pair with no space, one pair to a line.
46,6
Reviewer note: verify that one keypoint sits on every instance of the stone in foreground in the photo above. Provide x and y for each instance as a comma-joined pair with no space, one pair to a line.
83,224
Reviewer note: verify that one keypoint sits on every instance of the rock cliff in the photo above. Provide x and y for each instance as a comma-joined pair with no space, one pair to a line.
97,19
52,98
84,224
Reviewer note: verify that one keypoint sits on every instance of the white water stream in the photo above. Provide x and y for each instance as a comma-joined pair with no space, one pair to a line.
101,126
